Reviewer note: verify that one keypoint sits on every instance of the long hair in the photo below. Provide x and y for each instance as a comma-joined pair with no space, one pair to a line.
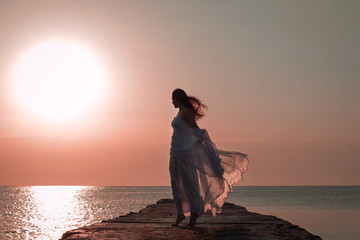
191,102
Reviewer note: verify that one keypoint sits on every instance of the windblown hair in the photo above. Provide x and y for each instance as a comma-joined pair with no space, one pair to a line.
191,102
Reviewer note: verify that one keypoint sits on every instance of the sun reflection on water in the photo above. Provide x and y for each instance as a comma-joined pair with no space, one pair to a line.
47,212
57,208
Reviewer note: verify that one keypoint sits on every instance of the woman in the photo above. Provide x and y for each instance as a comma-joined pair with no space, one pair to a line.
200,179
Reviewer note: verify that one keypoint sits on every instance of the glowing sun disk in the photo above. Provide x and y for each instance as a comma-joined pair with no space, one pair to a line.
58,79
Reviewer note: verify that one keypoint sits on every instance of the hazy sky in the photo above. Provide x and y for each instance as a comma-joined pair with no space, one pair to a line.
281,79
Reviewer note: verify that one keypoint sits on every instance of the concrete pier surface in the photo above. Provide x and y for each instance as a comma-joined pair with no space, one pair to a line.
154,222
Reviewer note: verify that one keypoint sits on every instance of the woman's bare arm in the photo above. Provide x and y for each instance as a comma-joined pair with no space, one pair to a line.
188,116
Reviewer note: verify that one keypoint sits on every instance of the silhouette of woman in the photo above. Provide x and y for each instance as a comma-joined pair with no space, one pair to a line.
201,175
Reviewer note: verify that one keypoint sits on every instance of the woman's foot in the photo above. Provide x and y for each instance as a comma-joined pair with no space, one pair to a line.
178,220
193,217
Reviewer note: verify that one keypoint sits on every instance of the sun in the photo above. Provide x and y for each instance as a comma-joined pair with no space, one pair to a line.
58,79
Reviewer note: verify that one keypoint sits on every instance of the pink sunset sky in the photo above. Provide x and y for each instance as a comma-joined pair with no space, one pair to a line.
280,78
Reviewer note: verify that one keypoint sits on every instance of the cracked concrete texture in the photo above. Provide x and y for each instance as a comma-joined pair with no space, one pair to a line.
154,222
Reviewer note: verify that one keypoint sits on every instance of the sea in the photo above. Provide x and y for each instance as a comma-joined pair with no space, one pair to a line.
46,212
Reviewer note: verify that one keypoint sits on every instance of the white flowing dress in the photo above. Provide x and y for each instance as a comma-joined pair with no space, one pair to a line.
201,175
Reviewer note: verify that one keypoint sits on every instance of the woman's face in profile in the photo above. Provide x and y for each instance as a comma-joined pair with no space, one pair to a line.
175,102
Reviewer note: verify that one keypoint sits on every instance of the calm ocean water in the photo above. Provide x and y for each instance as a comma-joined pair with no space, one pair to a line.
46,212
